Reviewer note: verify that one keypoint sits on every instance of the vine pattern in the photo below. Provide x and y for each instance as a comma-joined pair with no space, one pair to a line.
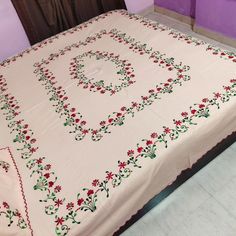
142,20
125,71
46,179
74,118
12,216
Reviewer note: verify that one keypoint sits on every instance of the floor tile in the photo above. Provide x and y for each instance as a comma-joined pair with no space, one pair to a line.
185,200
146,226
210,219
217,173
227,197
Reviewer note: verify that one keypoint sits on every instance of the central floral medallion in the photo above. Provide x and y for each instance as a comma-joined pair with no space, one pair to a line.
124,71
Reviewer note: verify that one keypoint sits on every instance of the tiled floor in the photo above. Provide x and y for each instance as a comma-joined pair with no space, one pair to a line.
205,205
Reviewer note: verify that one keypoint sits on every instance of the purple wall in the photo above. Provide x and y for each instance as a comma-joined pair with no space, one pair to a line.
12,35
217,15
184,7
136,6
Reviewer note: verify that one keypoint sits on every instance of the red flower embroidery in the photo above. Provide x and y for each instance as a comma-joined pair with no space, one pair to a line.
58,202
130,153
18,214
59,221
57,189
154,135
110,120
109,176
47,175
94,132
80,201
39,161
85,131
69,206
102,123
149,142
193,111
90,192
5,205
140,149
32,141
47,167
217,95
227,88
201,106
32,150
205,100
95,183
83,122
167,130
178,122
184,114
122,165
50,184
26,126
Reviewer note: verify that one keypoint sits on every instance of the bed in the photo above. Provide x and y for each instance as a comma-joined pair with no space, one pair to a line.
97,120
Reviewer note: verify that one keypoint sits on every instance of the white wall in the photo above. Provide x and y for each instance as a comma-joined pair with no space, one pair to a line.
12,35
136,6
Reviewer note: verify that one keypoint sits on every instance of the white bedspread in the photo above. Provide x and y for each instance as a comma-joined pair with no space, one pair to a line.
101,118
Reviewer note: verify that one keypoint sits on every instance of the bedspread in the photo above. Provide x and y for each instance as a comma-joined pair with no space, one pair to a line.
97,120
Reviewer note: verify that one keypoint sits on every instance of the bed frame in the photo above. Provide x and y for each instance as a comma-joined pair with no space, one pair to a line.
184,176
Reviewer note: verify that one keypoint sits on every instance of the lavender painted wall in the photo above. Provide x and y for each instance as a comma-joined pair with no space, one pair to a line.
136,6
184,7
12,35
217,15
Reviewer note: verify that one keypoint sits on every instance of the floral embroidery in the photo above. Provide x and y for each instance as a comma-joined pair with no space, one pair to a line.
12,215
227,55
50,40
4,165
73,118
46,180
148,148
125,71
144,21
157,26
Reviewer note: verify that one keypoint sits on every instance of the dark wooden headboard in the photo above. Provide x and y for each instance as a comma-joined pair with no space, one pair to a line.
44,18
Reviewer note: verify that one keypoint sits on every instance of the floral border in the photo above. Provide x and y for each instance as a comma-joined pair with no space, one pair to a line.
225,54
144,21
6,210
50,40
11,215
74,119
46,179
125,71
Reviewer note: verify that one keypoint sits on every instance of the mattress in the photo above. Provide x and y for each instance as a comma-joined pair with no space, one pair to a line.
97,120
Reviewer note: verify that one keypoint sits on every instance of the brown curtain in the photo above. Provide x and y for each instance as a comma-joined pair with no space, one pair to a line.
44,18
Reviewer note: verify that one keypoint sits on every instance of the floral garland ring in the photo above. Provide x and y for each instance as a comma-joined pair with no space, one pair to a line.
125,71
